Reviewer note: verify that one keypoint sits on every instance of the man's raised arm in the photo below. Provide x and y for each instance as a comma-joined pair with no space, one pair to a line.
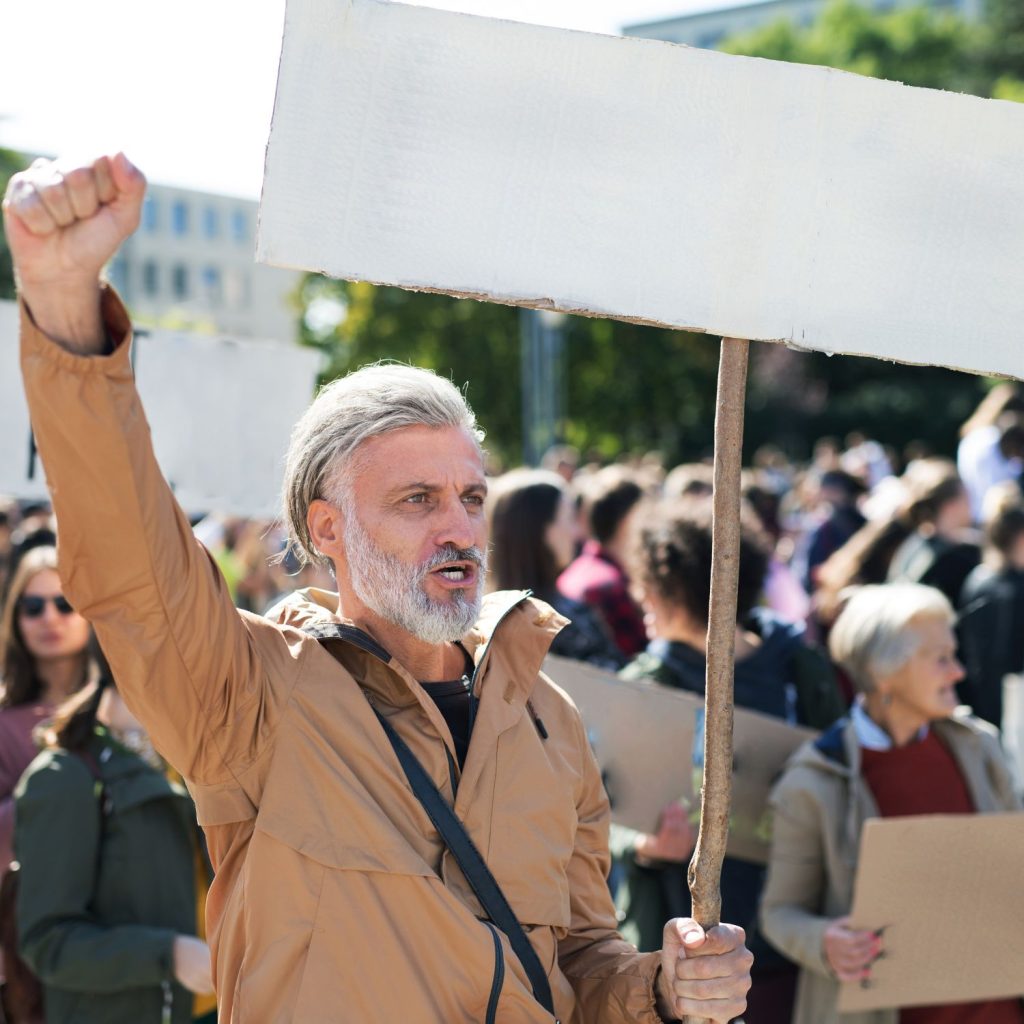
190,667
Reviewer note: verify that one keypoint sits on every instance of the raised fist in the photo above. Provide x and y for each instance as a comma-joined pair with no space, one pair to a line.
63,223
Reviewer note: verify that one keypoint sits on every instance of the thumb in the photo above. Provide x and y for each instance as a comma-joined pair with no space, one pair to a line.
128,179
682,934
129,187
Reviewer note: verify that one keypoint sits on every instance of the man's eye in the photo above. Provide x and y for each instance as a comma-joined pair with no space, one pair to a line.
416,499
473,499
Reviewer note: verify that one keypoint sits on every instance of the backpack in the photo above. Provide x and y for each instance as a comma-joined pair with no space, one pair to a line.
21,994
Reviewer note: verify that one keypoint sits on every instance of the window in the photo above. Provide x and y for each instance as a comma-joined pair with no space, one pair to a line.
117,273
150,215
179,218
239,226
211,222
150,278
179,281
210,278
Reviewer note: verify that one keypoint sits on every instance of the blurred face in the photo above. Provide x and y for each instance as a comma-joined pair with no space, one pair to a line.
48,632
955,515
562,532
924,689
1015,556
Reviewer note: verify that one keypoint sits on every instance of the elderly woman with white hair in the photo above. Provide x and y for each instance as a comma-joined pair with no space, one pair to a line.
906,748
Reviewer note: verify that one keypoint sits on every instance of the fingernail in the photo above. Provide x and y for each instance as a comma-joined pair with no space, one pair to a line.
691,937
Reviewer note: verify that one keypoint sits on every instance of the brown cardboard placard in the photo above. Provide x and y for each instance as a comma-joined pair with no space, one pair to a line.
647,739
946,890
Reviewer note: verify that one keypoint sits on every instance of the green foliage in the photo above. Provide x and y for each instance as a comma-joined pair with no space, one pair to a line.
630,388
913,45
10,164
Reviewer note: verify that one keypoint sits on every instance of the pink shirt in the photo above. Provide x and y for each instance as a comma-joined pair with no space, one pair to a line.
17,751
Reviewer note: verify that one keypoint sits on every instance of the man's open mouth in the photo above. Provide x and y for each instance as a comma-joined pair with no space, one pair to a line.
456,572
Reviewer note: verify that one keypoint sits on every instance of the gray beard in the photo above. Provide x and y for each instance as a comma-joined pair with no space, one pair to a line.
393,589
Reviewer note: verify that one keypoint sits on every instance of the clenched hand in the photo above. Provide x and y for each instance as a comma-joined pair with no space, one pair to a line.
63,224
705,975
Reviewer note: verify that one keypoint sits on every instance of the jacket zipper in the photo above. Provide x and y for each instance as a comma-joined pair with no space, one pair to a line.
499,976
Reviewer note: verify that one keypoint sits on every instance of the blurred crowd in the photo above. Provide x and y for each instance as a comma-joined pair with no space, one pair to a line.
880,591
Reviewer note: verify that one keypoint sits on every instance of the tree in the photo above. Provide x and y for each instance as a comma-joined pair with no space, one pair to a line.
10,164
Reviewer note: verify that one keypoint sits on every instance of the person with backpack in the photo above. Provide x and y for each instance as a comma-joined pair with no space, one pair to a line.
112,875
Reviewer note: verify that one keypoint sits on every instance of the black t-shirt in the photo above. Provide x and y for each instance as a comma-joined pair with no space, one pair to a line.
452,698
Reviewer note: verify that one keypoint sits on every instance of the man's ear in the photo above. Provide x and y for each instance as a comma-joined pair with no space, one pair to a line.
326,524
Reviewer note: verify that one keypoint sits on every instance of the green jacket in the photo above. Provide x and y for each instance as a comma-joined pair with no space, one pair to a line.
104,890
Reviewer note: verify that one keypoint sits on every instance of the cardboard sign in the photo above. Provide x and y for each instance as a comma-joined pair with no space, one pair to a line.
647,181
648,740
220,411
946,890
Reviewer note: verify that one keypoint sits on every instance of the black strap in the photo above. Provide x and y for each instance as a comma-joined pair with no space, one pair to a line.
474,867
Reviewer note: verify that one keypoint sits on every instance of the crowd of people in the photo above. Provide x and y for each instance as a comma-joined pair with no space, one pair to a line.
875,600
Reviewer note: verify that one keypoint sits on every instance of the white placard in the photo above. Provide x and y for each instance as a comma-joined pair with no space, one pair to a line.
220,411
642,180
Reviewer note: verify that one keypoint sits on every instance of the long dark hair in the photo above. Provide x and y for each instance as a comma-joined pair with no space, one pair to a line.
74,722
22,684
524,506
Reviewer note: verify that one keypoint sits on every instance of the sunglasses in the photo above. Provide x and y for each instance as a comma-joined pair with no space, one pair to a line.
32,606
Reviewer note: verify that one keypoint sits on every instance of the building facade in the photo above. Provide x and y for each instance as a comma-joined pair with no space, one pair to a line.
191,265
707,29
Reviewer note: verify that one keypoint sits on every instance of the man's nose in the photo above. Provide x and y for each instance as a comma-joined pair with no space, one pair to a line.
457,526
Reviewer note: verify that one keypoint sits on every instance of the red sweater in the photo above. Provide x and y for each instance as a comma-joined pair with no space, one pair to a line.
924,778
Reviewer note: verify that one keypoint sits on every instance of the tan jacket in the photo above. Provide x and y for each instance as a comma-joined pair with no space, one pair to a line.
333,900
820,805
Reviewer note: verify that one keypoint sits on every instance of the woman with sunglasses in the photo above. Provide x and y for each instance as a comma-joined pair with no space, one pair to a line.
44,646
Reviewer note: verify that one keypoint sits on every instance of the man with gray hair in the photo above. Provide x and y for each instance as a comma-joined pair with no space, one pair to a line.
327,746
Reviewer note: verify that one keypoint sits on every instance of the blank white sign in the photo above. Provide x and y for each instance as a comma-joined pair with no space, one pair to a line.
220,411
643,180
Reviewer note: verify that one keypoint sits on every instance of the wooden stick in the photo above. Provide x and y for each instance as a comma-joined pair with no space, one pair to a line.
716,793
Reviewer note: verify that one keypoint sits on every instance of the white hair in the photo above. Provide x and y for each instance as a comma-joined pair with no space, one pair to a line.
367,403
875,633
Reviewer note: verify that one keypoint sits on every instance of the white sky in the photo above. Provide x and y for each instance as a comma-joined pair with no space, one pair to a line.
187,89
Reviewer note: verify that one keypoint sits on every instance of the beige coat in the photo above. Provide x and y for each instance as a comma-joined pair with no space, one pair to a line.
820,805
334,900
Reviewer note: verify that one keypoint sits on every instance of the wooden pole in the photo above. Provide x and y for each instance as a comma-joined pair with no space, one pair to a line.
716,793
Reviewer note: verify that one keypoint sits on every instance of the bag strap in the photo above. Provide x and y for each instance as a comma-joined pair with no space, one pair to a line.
474,867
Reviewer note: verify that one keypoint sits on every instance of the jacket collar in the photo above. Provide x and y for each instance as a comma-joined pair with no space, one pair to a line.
837,749
527,627
127,780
